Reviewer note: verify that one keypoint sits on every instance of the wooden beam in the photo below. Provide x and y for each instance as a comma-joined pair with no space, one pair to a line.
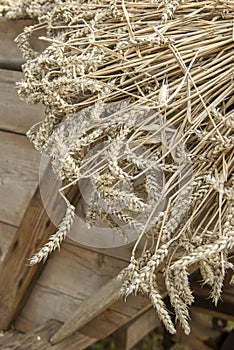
89,309
11,64
97,305
18,176
39,339
16,278
116,316
129,335
16,115
31,340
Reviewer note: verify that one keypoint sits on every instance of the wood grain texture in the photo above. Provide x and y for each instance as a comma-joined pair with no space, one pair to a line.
116,316
15,114
32,340
7,233
130,334
90,309
39,339
17,279
70,276
18,176
90,269
76,342
121,252
85,317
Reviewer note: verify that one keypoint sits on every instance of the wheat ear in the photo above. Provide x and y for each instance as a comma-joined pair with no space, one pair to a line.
55,239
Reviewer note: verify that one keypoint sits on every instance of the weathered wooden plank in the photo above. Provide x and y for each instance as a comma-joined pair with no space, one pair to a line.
7,233
90,269
130,334
121,252
89,309
76,342
106,323
56,294
16,115
18,176
39,339
66,274
9,30
116,316
61,306
45,303
16,279
32,340
71,276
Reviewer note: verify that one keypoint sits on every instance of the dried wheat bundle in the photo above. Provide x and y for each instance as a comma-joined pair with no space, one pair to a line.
145,89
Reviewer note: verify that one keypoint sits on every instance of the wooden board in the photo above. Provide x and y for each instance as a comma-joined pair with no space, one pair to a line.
16,278
15,114
121,252
130,334
34,340
39,339
89,309
9,30
7,233
18,176
70,276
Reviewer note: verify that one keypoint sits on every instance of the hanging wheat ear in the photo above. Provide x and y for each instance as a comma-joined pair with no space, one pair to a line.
56,239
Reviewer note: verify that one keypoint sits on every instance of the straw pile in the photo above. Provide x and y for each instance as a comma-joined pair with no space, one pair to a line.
157,78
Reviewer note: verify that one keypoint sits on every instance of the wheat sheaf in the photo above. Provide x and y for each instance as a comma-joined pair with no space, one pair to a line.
121,73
